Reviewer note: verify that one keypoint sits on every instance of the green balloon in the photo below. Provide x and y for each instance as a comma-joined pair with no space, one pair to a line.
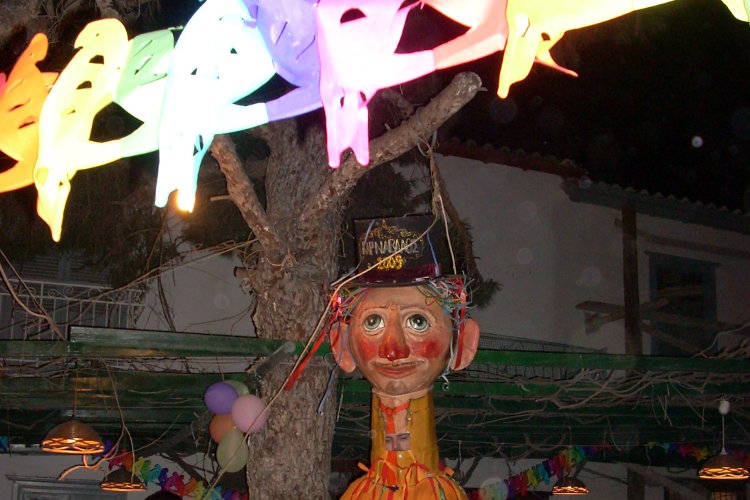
241,388
232,451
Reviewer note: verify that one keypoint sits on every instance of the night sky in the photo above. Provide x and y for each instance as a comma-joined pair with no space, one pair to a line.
662,102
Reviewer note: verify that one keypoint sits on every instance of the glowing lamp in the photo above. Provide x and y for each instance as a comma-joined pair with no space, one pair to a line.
121,480
219,58
570,486
723,466
357,43
21,100
72,438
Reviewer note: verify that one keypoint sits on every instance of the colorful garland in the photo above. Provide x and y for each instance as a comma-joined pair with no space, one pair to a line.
149,472
529,479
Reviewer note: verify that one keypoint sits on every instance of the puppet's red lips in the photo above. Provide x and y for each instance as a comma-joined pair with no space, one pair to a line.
397,369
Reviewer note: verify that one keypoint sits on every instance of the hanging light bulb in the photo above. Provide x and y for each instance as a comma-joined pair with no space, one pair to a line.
570,486
121,480
723,465
73,438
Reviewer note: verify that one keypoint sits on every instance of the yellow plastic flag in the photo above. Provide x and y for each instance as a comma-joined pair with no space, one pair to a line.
84,88
739,8
21,103
535,26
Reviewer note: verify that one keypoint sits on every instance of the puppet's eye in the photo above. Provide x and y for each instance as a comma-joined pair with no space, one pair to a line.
373,322
418,323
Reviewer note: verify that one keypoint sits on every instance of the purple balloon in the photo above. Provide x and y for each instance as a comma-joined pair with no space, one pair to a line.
288,27
220,397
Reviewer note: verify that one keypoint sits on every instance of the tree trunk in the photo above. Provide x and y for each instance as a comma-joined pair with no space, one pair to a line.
298,233
291,457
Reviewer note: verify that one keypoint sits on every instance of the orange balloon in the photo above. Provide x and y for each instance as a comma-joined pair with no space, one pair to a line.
220,425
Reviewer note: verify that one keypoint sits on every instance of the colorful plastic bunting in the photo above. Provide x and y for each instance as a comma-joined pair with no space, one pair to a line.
219,58
739,8
141,88
357,43
535,26
488,30
288,28
84,88
21,102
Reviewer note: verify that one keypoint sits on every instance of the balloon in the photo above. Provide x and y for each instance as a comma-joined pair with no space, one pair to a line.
219,397
232,451
219,426
357,58
245,413
241,388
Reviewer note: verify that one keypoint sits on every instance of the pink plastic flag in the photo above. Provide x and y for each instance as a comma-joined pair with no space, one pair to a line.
288,28
219,58
141,88
83,89
488,30
21,102
357,43
535,26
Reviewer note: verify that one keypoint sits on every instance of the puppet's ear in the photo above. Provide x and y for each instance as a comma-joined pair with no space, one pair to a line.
340,347
470,343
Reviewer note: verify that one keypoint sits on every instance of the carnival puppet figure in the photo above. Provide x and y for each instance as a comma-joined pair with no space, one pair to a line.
403,327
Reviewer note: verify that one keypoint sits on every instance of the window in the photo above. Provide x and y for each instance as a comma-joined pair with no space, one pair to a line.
684,292
42,488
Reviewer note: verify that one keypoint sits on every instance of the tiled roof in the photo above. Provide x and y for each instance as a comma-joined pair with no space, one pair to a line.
581,188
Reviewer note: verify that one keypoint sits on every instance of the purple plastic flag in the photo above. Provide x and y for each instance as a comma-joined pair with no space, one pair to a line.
289,30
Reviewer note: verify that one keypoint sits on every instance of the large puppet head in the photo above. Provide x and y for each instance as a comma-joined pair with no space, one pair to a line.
402,324
403,338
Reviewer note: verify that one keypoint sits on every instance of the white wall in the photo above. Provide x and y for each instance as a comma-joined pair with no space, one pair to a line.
550,254
203,296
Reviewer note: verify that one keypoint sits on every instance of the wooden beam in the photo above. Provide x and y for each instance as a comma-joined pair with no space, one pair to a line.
633,335
686,492
669,339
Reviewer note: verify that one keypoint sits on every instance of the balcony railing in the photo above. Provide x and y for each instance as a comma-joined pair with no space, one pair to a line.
67,304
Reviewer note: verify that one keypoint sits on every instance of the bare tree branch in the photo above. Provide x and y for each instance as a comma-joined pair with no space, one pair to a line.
243,195
107,9
391,145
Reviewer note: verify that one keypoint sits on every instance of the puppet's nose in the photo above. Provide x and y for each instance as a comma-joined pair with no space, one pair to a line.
394,344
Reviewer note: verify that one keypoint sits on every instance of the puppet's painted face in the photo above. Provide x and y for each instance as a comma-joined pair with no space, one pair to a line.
400,340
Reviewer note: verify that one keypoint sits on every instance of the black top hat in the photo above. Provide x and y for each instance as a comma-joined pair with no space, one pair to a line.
399,250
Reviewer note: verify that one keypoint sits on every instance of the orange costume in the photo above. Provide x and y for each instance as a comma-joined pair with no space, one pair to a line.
413,473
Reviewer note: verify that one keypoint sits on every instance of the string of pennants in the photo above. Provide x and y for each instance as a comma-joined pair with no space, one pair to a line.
562,463
184,84
153,473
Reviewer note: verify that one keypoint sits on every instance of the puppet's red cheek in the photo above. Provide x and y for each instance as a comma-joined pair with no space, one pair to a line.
429,349
366,349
